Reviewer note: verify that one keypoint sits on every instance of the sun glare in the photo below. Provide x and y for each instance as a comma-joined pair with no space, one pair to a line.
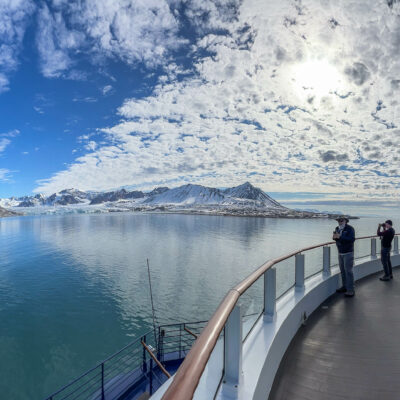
316,78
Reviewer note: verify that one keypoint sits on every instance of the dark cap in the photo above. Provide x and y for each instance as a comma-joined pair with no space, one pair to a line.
342,218
389,221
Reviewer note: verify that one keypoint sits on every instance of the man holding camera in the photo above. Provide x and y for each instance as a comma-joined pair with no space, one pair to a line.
386,235
344,236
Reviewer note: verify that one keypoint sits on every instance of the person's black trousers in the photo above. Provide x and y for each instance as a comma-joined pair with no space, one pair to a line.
385,258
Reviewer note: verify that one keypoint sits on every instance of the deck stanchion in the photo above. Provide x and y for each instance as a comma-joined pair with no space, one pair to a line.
396,245
373,248
233,347
144,364
102,381
159,344
151,376
180,341
270,294
299,274
326,261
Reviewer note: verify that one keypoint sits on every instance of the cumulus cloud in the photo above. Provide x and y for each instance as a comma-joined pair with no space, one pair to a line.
357,73
143,31
14,16
252,111
331,155
55,42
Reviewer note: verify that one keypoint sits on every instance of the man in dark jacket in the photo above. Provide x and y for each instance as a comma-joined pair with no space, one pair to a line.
344,236
386,236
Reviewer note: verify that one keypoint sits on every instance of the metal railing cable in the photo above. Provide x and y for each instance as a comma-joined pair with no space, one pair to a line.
117,373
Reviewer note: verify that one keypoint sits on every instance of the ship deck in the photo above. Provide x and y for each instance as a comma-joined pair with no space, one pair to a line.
348,349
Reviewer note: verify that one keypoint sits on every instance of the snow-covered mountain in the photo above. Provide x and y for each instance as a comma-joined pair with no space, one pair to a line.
115,196
63,198
187,194
242,200
249,192
243,195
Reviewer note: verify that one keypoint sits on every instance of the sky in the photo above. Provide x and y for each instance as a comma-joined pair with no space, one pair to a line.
293,96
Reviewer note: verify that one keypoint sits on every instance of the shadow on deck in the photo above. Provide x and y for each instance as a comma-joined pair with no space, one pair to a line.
349,348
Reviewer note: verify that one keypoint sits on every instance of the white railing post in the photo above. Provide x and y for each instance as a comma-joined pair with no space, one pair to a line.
270,295
396,245
233,347
326,261
299,272
373,248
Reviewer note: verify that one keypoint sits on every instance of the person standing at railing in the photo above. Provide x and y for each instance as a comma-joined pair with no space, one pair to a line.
344,235
386,236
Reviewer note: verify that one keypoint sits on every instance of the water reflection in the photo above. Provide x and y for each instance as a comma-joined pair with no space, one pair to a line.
74,289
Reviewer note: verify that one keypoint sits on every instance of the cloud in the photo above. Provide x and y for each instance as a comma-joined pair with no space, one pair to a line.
42,102
3,83
244,113
108,89
10,134
14,16
134,31
4,175
55,42
38,110
91,146
5,139
3,144
87,99
331,155
211,15
357,73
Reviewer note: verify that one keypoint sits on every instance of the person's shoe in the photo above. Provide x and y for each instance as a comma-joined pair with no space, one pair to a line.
384,278
341,290
349,293
391,276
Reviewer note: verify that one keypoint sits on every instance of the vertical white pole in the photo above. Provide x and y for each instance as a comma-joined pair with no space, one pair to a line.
270,294
299,274
326,261
233,347
396,245
373,248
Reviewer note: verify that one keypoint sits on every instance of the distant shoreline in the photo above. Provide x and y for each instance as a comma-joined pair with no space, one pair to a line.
4,213
163,209
300,215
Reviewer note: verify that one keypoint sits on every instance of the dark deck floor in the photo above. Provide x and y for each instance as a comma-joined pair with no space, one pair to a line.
349,348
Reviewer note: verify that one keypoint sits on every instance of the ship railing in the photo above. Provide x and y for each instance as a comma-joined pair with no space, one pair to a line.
140,367
230,325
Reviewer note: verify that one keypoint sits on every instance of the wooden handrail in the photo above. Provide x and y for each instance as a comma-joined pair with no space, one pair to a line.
166,373
187,378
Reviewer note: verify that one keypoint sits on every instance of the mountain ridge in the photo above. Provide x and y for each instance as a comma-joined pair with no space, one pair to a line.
188,194
241,200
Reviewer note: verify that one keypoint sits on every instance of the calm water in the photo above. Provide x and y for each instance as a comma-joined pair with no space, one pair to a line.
74,289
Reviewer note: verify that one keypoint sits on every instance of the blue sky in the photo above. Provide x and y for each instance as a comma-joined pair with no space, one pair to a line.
296,96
